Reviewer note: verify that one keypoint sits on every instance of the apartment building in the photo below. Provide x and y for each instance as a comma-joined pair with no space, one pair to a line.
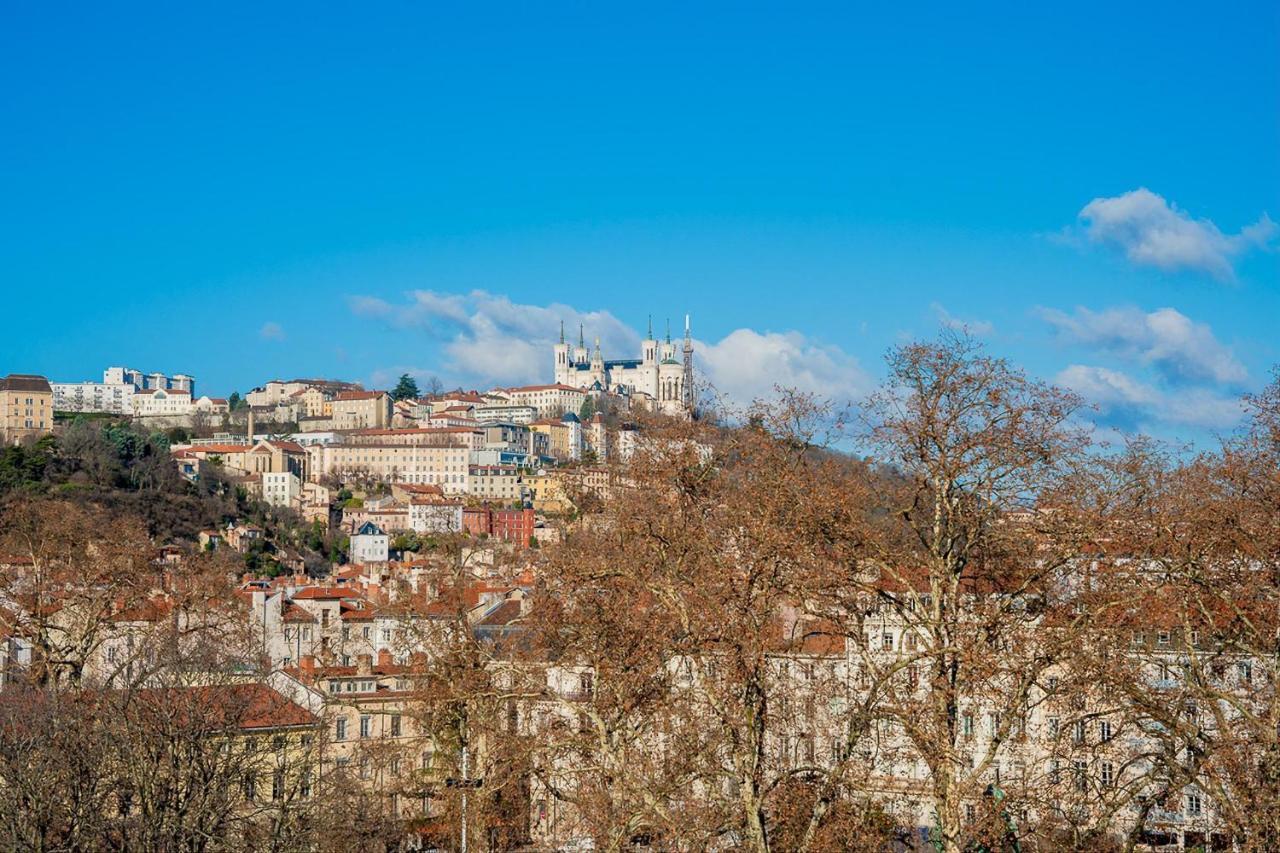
160,402
361,410
564,436
435,457
371,735
282,489
26,407
505,413
116,399
154,381
496,482
549,401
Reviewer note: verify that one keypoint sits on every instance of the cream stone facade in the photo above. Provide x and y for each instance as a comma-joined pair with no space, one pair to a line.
160,402
361,410
26,407
549,401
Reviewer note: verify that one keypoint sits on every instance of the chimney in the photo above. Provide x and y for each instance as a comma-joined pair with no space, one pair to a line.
307,663
384,658
249,428
364,664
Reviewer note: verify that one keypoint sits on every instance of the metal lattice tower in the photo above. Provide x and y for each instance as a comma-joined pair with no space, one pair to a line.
687,385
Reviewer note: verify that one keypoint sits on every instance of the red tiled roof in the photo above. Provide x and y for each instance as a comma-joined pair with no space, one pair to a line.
246,707
322,593
358,395
293,613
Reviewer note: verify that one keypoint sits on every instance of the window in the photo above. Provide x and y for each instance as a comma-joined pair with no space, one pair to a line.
366,725
340,728
966,723
366,631
395,725
586,683
304,784
277,785
1079,771
1107,774
1079,731
1246,672
1162,638
886,641
1053,727
1104,730
1193,805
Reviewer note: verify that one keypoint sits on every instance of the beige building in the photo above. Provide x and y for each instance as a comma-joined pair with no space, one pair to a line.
26,407
441,464
159,402
550,401
496,482
361,410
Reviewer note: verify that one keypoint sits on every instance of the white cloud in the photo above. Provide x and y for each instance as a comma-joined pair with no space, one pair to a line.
1166,340
745,365
271,331
1128,404
490,340
1152,232
1107,387
950,321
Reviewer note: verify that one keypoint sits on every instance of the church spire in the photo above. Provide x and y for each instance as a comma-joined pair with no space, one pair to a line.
582,342
561,330
650,327
668,330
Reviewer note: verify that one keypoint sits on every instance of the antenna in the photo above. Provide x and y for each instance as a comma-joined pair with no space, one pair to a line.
686,387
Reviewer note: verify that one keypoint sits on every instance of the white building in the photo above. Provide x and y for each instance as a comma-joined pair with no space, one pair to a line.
549,401
428,516
149,381
281,488
157,402
369,544
659,373
113,398
506,413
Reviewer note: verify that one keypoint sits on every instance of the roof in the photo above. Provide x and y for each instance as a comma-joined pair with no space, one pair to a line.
245,706
420,488
411,431
504,614
370,529
25,382
558,386
217,448
293,613
290,446
358,395
323,593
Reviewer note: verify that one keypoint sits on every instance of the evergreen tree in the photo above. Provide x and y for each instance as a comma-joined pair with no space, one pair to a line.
406,388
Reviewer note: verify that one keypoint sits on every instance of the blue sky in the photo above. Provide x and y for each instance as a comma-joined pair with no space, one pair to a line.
244,192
